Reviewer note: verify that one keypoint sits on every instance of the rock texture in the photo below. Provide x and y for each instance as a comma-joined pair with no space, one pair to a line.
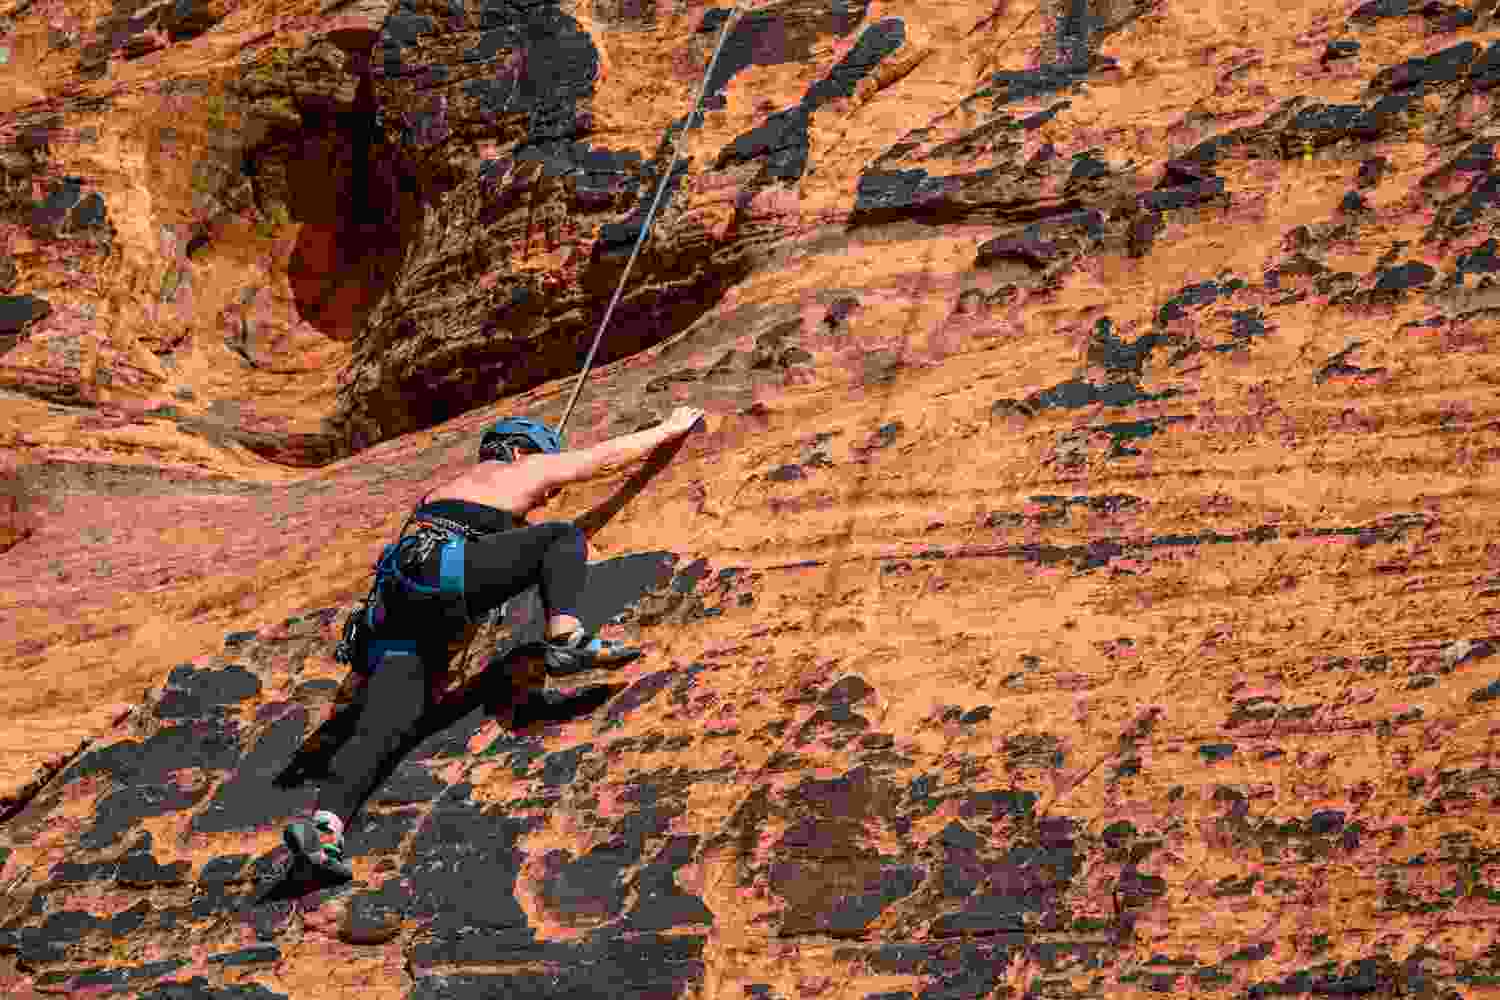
1085,586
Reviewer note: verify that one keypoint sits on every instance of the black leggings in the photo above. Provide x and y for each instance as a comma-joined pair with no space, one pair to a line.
497,567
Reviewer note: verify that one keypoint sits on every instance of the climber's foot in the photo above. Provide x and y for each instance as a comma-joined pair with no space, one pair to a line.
319,843
580,651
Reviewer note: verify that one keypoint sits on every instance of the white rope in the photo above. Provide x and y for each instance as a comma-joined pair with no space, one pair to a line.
650,215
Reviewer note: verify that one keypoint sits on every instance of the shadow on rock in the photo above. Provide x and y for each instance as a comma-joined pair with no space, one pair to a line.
357,213
500,691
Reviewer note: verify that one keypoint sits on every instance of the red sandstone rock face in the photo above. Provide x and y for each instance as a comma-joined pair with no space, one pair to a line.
1084,588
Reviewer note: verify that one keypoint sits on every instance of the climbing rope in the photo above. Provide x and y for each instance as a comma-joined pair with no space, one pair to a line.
640,240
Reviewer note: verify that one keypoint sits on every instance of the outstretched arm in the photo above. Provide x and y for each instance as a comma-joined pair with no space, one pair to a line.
573,466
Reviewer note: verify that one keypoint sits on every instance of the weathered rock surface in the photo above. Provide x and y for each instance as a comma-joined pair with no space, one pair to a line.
1085,587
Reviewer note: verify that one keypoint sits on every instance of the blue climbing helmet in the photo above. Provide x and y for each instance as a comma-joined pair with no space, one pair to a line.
498,437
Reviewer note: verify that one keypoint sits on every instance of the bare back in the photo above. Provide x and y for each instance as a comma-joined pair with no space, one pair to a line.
511,486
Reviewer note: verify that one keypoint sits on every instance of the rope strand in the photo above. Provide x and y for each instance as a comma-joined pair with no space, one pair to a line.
650,215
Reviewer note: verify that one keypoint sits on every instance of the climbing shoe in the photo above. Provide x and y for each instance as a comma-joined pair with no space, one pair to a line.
573,654
319,843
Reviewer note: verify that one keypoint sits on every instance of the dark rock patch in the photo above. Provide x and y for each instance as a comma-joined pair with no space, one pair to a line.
186,19
90,212
773,38
590,888
1359,978
848,690
559,769
1469,207
193,693
140,773
1036,252
840,311
247,956
639,693
1483,259
47,217
1353,204
1087,166
1392,281
660,904
1009,86
140,870
1076,393
1427,71
411,783
1183,196
462,871
648,966
1485,73
250,798
1115,355
1020,886
380,832
1196,296
1371,171
1340,48
17,312
875,43
782,141
1215,752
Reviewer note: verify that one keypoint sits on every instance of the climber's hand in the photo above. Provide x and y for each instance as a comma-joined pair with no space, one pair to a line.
682,420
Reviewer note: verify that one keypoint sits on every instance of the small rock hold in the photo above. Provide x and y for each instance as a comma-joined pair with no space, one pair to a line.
1371,171
841,311
1142,231
1340,48
1326,821
1036,253
1353,204
848,690
1215,752
969,302
1086,167
1464,650
786,474
887,433
1487,693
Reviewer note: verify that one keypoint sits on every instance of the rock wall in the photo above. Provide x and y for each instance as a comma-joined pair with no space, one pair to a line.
1085,587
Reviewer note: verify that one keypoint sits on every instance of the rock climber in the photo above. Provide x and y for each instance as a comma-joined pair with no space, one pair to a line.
471,552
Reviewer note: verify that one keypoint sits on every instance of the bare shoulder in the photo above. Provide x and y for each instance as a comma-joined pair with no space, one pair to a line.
515,487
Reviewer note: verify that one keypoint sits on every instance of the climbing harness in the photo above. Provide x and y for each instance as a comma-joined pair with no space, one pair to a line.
357,646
